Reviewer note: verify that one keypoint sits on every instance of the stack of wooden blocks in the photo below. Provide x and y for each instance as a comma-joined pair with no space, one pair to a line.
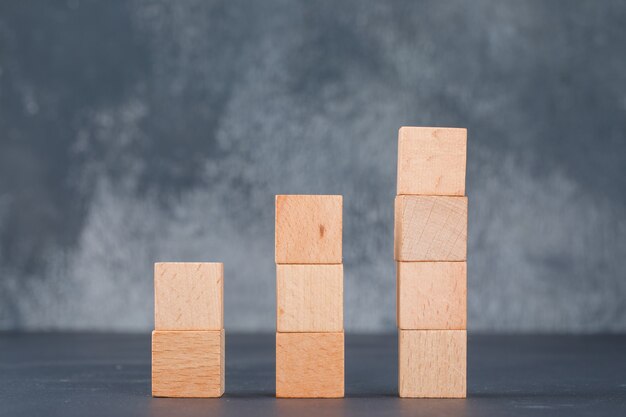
309,294
188,340
430,248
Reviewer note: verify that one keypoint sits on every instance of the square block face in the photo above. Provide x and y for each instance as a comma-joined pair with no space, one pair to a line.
431,160
188,296
309,365
432,363
432,295
309,229
188,363
430,228
309,298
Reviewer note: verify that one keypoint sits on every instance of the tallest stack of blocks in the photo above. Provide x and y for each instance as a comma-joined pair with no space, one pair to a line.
431,254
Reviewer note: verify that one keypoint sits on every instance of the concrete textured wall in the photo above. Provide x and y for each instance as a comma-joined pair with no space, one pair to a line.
138,131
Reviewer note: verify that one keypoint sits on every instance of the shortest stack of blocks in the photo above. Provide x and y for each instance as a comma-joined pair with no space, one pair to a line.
430,247
188,340
309,297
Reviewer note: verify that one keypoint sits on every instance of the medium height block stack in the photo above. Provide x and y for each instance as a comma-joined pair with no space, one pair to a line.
430,246
309,296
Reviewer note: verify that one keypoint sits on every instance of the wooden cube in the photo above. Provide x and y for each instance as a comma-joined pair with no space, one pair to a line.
431,160
432,363
430,228
309,298
188,296
309,229
187,363
432,295
309,365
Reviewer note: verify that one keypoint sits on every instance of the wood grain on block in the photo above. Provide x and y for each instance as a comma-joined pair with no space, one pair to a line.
431,160
432,363
430,228
187,363
188,296
309,229
310,365
432,295
309,298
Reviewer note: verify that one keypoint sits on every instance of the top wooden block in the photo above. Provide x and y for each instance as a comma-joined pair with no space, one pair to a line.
188,296
431,161
309,229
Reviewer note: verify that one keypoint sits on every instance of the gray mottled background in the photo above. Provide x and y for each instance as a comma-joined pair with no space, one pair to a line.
138,131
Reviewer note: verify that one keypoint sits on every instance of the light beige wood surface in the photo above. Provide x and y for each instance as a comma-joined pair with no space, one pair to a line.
432,363
432,295
430,228
308,229
188,363
309,298
431,160
188,296
310,365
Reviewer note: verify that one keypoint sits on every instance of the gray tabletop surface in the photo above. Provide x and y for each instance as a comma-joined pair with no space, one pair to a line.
66,374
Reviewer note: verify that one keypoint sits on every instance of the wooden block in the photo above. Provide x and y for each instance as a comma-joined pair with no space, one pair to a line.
309,229
432,295
309,365
432,363
187,363
309,298
430,228
431,160
188,296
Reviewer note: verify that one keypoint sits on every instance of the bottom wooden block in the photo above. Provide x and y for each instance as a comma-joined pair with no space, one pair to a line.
432,363
310,365
187,363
